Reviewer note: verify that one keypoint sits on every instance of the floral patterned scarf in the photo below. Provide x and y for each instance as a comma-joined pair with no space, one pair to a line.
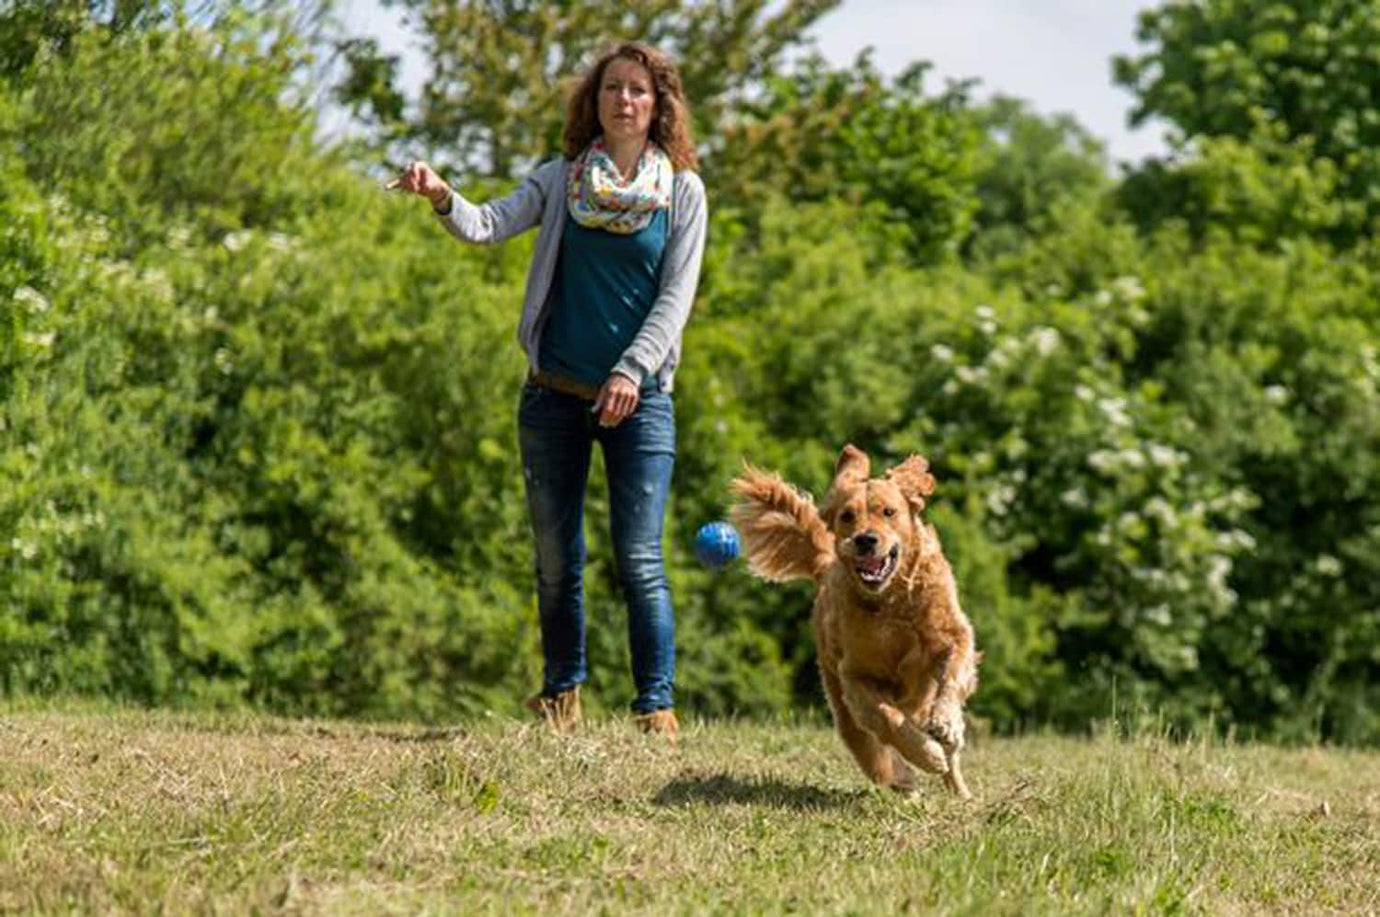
599,198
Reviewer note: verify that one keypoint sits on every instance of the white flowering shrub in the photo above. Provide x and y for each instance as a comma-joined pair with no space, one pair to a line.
1109,433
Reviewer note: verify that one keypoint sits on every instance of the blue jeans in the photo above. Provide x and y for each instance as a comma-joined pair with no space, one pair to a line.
556,432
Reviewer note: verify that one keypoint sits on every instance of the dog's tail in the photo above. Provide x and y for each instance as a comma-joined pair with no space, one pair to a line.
784,537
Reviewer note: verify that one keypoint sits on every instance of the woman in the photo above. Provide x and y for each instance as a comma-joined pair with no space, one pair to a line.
621,220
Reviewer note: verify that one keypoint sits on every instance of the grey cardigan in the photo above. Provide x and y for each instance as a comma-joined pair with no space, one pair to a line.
541,199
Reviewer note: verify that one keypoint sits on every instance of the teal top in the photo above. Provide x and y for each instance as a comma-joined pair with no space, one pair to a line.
605,286
540,203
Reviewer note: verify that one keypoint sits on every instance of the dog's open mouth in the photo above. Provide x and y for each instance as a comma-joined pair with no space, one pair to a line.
874,570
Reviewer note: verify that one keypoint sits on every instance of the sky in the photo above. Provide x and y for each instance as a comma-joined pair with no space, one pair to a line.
1054,53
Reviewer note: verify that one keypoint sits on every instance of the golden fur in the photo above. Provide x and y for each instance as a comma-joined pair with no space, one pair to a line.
896,652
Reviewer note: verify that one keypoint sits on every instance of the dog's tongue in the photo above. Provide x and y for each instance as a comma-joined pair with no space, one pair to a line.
871,564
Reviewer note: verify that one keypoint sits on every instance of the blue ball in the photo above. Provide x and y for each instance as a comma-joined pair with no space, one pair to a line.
716,544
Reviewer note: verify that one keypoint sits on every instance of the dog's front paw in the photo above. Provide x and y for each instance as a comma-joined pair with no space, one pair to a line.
946,725
921,749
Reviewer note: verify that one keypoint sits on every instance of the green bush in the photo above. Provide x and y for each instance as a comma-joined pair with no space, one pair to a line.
257,432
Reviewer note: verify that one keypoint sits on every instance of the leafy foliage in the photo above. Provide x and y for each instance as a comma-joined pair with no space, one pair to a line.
1027,168
1288,70
903,158
256,419
1262,190
495,101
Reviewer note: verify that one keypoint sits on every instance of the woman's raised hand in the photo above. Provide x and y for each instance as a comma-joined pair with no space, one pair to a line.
420,178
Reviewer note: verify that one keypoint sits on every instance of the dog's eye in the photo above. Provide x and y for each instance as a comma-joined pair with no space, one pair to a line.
889,511
847,517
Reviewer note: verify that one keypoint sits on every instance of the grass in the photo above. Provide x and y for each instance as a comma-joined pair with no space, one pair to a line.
122,810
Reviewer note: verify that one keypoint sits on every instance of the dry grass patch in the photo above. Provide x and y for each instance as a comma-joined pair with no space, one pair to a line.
127,811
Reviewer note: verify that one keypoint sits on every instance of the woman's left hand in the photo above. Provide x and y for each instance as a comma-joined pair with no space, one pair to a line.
617,400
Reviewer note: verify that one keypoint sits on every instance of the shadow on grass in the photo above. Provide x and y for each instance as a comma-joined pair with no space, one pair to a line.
724,789
405,737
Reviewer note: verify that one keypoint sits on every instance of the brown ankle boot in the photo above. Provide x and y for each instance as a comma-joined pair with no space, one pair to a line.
659,722
559,711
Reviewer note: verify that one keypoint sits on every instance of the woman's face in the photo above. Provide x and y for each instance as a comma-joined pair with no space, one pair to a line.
627,100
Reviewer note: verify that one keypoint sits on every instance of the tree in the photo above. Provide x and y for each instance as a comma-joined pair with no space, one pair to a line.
235,77
26,27
1261,189
903,156
494,103
1224,68
1027,164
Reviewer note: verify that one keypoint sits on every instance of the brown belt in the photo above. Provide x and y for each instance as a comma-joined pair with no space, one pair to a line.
562,384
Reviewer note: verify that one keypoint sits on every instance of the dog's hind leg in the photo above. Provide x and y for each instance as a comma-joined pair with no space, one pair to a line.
954,779
881,764
904,781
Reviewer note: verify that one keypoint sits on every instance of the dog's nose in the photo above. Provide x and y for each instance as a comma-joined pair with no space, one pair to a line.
865,542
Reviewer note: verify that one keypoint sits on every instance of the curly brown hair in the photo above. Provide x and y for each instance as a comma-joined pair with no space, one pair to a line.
670,128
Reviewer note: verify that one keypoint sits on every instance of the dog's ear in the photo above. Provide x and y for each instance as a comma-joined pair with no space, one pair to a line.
914,480
850,471
852,468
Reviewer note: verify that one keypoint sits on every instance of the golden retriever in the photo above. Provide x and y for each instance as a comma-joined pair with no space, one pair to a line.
896,652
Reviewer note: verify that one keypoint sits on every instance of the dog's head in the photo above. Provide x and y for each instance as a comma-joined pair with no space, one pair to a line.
876,521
